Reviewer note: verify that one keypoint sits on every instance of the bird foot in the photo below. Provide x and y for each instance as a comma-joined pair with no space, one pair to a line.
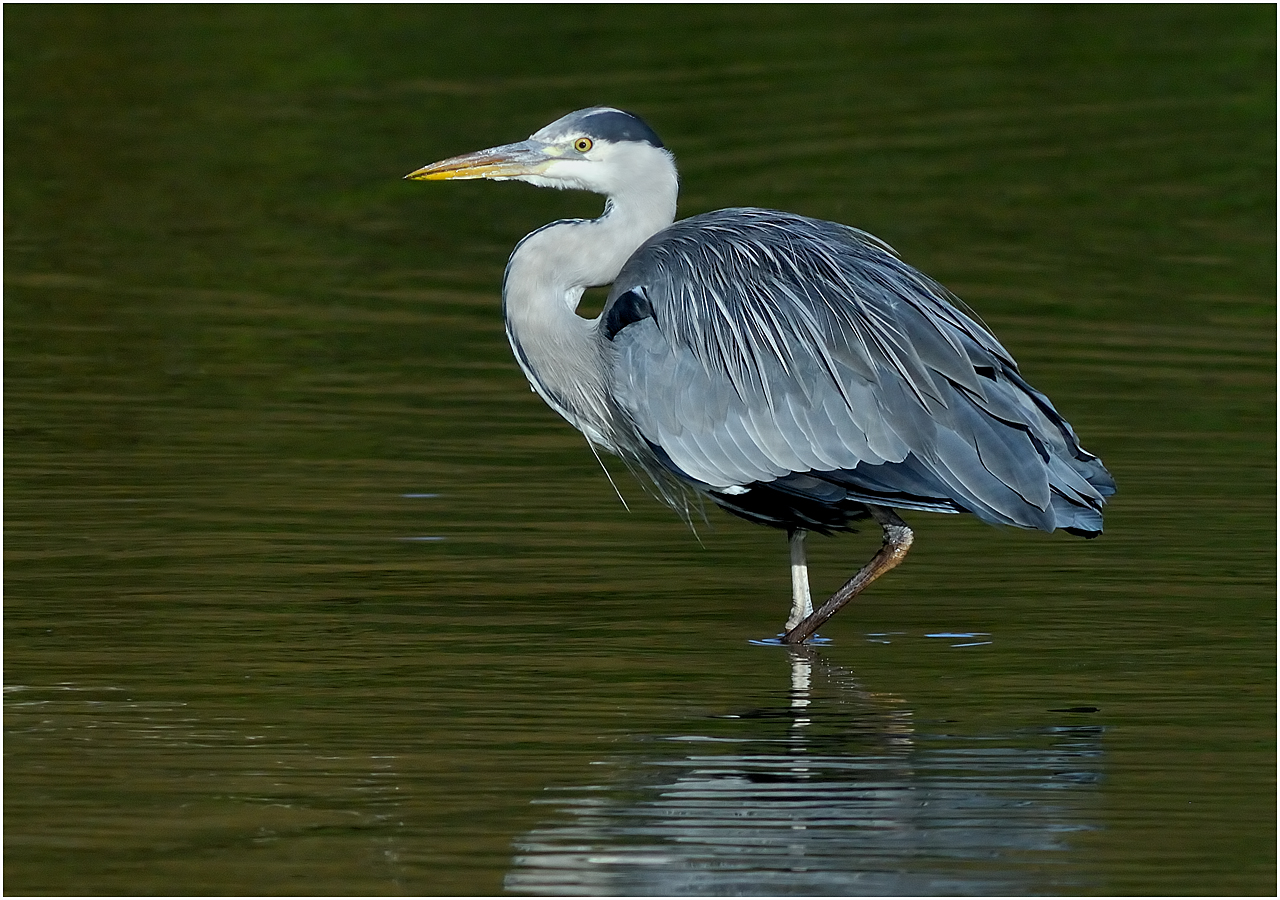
780,641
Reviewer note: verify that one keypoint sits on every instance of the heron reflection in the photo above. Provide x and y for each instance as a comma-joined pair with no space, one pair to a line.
829,789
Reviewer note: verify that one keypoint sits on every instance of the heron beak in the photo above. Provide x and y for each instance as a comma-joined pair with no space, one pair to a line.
497,163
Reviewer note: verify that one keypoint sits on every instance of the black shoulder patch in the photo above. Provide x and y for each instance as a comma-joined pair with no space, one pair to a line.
627,309
616,125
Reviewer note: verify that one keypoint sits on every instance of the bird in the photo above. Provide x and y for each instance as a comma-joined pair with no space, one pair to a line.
793,371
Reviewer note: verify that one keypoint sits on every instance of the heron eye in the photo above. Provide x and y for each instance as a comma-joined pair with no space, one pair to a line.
582,145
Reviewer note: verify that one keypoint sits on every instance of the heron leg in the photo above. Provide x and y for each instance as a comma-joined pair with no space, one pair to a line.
897,541
801,602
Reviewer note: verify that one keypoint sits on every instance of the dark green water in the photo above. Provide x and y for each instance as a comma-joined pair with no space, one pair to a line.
305,592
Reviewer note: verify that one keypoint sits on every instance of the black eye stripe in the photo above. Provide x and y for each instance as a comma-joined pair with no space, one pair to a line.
617,126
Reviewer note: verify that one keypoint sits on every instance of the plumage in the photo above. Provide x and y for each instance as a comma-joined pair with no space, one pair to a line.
844,363
794,371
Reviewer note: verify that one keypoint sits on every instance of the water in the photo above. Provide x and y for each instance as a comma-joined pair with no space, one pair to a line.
306,593
830,791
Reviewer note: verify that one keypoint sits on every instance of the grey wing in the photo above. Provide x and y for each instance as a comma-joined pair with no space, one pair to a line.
794,369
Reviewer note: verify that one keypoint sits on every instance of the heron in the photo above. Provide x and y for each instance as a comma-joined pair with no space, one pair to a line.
793,371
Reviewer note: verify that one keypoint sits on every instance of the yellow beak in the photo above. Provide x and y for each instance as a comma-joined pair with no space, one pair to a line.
497,163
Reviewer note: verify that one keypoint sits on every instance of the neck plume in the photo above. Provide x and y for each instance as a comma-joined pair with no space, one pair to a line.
559,351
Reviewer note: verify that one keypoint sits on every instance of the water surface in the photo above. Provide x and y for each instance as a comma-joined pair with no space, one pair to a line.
305,592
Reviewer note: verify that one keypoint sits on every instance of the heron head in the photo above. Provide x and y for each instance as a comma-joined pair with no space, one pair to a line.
596,149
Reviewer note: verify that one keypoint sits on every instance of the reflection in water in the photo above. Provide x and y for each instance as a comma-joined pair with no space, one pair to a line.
831,791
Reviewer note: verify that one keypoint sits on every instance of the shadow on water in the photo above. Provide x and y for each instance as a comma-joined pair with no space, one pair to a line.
827,789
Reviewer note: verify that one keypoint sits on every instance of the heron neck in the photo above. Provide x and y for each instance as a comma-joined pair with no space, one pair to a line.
546,276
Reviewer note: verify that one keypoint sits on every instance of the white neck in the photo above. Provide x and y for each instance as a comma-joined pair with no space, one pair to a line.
559,350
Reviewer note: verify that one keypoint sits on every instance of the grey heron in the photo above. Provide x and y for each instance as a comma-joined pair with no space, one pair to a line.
794,371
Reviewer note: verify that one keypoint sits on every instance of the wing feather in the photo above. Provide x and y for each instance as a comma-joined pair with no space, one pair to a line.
784,353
